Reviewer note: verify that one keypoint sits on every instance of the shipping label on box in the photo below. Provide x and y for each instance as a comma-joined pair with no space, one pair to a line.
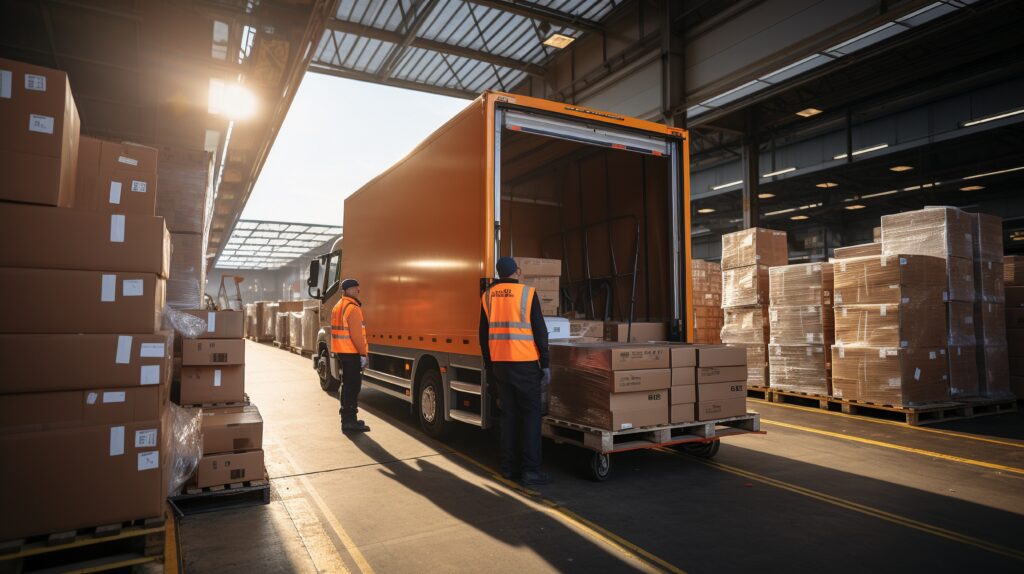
708,375
228,468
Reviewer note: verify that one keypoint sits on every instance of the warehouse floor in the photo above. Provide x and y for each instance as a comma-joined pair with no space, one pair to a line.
818,492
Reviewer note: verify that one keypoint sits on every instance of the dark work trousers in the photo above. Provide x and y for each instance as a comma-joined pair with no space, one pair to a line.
351,383
519,391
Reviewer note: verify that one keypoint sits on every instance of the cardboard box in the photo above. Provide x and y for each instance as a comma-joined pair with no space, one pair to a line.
862,250
295,329
40,126
805,325
684,376
682,413
938,232
963,371
890,279
992,328
890,376
1013,270
228,468
876,234
961,279
219,324
97,361
209,385
801,285
591,403
118,470
745,286
756,357
548,284
686,393
989,282
993,381
721,409
641,380
232,429
84,240
745,325
682,355
56,301
290,306
45,411
639,332
548,300
754,246
581,328
988,237
283,323
116,177
708,375
800,368
537,267
212,352
185,287
719,391
720,356
186,183
960,321
917,324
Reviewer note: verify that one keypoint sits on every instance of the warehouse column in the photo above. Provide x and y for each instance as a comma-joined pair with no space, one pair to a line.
751,172
673,69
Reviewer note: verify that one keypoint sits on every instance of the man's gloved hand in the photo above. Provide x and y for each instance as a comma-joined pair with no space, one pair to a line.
546,380
364,361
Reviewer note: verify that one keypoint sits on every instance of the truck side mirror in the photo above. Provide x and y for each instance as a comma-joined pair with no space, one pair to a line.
313,279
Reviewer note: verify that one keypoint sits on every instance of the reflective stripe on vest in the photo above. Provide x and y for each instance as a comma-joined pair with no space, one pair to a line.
510,334
341,335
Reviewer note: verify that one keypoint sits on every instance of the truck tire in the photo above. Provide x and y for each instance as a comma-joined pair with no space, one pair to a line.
430,404
323,370
702,449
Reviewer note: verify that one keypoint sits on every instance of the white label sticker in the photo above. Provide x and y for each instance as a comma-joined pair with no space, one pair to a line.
211,322
216,378
808,351
625,426
881,353
116,441
884,261
90,399
40,124
113,397
882,310
116,228
5,84
138,186
810,339
145,438
839,298
844,311
35,83
108,288
124,350
149,375
127,160
917,374
842,352
837,392
149,460
903,260
842,266
131,287
892,352
115,193
152,350
894,382
931,355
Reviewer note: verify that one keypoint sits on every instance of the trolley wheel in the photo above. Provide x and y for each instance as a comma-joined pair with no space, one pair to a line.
599,466
702,449
323,370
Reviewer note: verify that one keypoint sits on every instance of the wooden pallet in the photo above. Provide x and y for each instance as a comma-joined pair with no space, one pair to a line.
914,415
606,441
300,351
108,547
245,402
763,393
196,500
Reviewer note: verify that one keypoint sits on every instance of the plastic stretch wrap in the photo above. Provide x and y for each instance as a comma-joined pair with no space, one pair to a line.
890,376
295,329
862,250
250,319
801,285
991,329
890,279
745,286
754,246
186,183
187,279
310,327
803,325
988,231
989,282
269,320
745,325
961,279
757,363
184,324
937,231
912,324
186,445
960,320
282,324
963,371
995,380
800,368
1013,270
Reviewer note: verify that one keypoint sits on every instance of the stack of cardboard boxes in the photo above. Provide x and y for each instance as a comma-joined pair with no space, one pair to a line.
1013,277
84,442
186,180
310,324
992,361
586,331
543,275
708,315
746,257
801,325
280,325
721,382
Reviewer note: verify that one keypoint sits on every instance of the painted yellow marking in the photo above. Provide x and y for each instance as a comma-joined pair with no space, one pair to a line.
861,508
892,423
899,447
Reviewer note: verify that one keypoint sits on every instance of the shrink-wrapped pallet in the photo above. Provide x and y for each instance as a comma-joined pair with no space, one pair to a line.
890,376
754,246
912,324
745,325
800,368
745,286
890,279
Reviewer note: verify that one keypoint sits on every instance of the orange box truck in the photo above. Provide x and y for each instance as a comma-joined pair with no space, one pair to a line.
510,175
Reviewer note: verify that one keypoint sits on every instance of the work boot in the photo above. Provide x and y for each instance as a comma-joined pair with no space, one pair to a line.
354,426
509,473
535,478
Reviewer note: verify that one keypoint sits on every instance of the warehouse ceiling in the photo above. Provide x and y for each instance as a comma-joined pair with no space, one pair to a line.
273,244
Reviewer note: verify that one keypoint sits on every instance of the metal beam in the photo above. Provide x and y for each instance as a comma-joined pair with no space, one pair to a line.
367,77
441,47
541,13
751,174
411,32
673,68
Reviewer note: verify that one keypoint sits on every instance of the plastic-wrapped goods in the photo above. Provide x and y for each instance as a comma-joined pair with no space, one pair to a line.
800,368
995,378
800,285
801,325
745,325
989,282
186,445
890,376
961,331
988,233
186,183
992,330
936,231
281,326
250,319
894,279
963,371
757,363
754,246
961,279
1013,270
295,329
269,320
862,250
185,324
707,276
876,234
911,325
187,280
745,286
310,327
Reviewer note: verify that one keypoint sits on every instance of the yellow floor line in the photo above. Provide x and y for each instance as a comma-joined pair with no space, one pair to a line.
602,534
932,454
861,508
893,423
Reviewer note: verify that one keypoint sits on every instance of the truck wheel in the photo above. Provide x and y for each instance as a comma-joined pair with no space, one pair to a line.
323,370
599,466
702,449
430,404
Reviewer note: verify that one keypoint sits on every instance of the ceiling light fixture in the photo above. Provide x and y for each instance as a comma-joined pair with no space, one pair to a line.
706,210
900,168
855,206
1002,171
725,185
779,172
880,194
826,184
863,150
992,118
806,113
972,188
558,41
799,217
765,195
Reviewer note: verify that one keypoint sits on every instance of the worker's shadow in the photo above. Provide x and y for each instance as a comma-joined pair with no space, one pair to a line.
500,515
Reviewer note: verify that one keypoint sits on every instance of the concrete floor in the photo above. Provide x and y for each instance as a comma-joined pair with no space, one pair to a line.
819,492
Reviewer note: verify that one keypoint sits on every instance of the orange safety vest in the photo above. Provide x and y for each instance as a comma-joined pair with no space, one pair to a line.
341,336
509,333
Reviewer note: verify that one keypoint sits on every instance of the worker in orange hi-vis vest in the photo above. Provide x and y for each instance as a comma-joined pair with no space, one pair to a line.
348,343
514,345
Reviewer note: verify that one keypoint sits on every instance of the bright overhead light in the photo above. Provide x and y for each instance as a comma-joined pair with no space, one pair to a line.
558,41
765,195
799,217
779,172
992,118
880,194
826,184
899,168
855,206
705,210
806,113
781,211
863,150
231,100
1017,236
1002,171
725,185
972,188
